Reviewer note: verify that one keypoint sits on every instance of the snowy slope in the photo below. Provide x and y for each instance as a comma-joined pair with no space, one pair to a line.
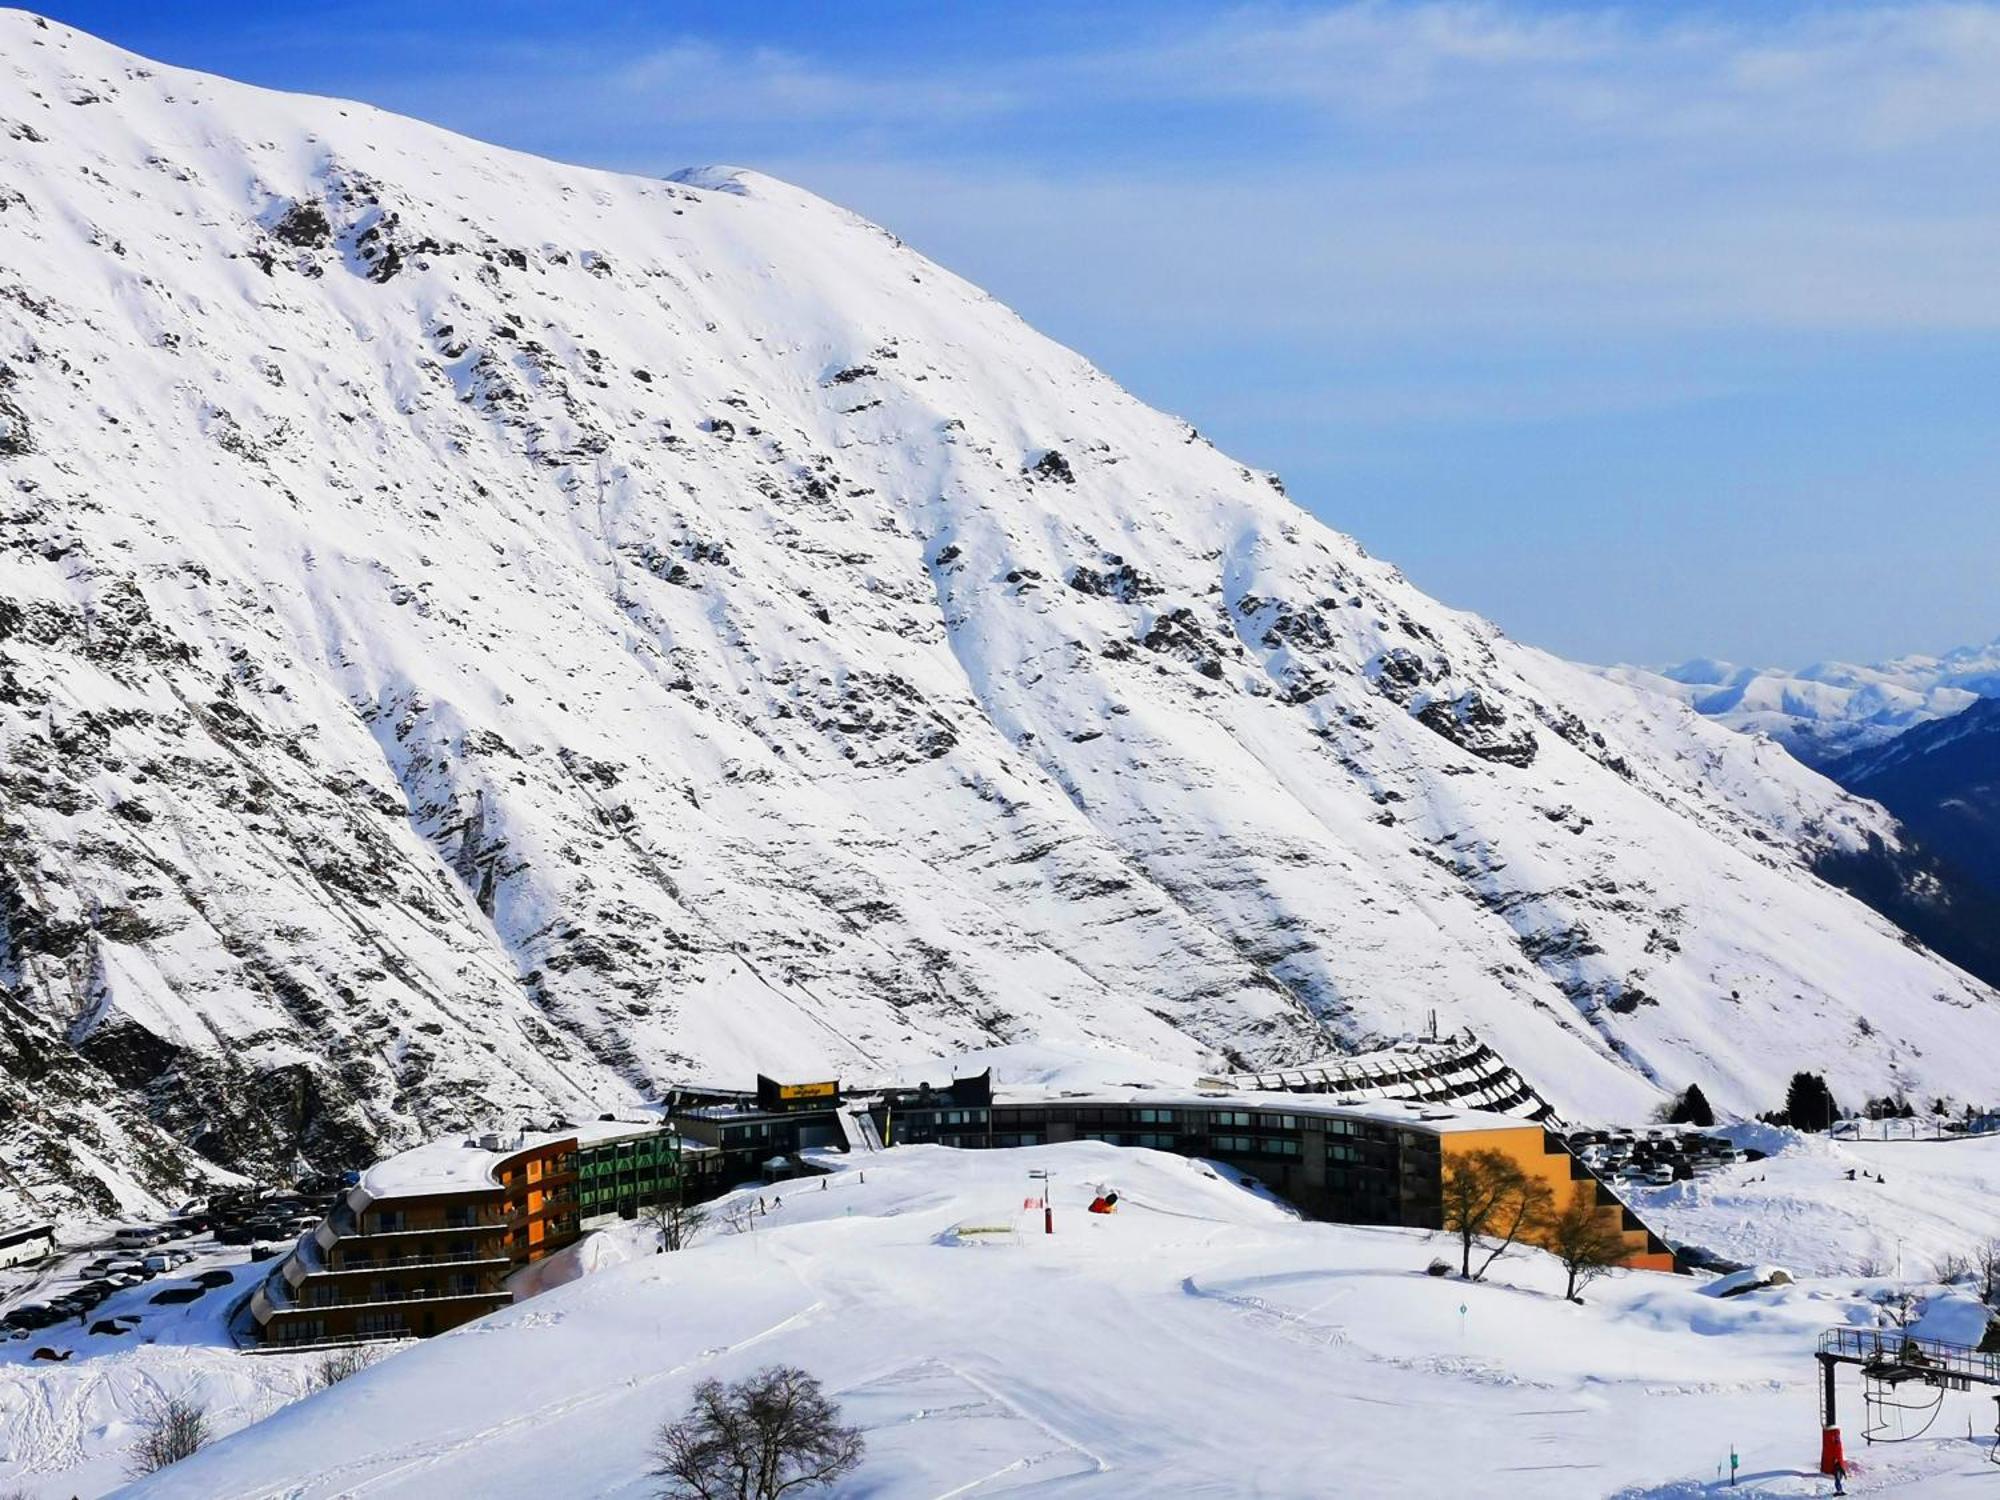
480,636
1798,1208
1829,709
1199,1342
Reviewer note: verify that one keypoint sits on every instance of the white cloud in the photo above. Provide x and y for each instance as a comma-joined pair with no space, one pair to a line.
694,80
1375,169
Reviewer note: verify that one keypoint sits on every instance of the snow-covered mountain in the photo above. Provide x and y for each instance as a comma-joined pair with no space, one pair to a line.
1829,709
1942,779
480,636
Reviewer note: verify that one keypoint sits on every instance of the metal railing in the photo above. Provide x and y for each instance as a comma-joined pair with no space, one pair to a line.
404,1262
413,1296
1886,1348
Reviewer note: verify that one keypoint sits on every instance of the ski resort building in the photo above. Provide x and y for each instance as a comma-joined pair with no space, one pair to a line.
427,1239
1366,1162
1458,1069
1331,1147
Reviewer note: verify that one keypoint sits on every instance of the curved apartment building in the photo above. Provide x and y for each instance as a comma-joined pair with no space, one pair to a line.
427,1239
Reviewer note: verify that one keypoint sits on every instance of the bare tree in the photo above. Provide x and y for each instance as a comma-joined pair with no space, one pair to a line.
676,1221
774,1433
175,1428
341,1363
1581,1237
1986,1260
1523,1210
1488,1196
1898,1309
1473,1187
1951,1267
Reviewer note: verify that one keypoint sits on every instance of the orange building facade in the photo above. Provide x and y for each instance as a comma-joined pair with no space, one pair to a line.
426,1240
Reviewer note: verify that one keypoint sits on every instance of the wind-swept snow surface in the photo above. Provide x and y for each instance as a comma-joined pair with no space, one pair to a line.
1200,1341
482,636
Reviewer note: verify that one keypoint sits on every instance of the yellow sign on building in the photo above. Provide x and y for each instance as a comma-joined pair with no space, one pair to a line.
790,1091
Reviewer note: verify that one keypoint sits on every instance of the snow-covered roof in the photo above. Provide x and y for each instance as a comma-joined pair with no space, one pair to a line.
466,1163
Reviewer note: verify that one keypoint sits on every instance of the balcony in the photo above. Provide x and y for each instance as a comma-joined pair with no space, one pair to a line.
323,1297
486,1222
416,1258
419,1297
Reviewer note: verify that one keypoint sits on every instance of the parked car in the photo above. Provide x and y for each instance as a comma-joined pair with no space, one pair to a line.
234,1234
138,1236
161,1261
31,1315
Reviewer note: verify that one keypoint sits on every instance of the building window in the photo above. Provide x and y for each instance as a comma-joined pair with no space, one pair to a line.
1228,1117
1241,1143
1157,1117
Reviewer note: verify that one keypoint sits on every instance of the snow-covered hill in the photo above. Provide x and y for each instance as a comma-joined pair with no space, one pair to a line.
1830,709
480,636
1200,1342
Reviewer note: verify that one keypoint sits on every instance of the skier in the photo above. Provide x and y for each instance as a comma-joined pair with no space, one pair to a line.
1840,1476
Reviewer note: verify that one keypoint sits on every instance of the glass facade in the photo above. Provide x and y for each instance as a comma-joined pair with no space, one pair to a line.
623,1176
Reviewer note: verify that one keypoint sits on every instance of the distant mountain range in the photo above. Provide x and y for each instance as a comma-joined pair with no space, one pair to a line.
1921,736
1830,709
1942,780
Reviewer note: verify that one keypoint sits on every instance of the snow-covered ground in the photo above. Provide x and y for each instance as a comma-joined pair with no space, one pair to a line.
1798,1209
1202,1341
66,1426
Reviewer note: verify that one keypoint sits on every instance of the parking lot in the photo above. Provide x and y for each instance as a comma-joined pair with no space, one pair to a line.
145,1278
1654,1156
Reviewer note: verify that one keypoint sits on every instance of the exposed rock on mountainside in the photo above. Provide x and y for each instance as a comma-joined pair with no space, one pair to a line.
482,636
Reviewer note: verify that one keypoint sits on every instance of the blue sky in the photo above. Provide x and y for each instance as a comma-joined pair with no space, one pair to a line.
1650,332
